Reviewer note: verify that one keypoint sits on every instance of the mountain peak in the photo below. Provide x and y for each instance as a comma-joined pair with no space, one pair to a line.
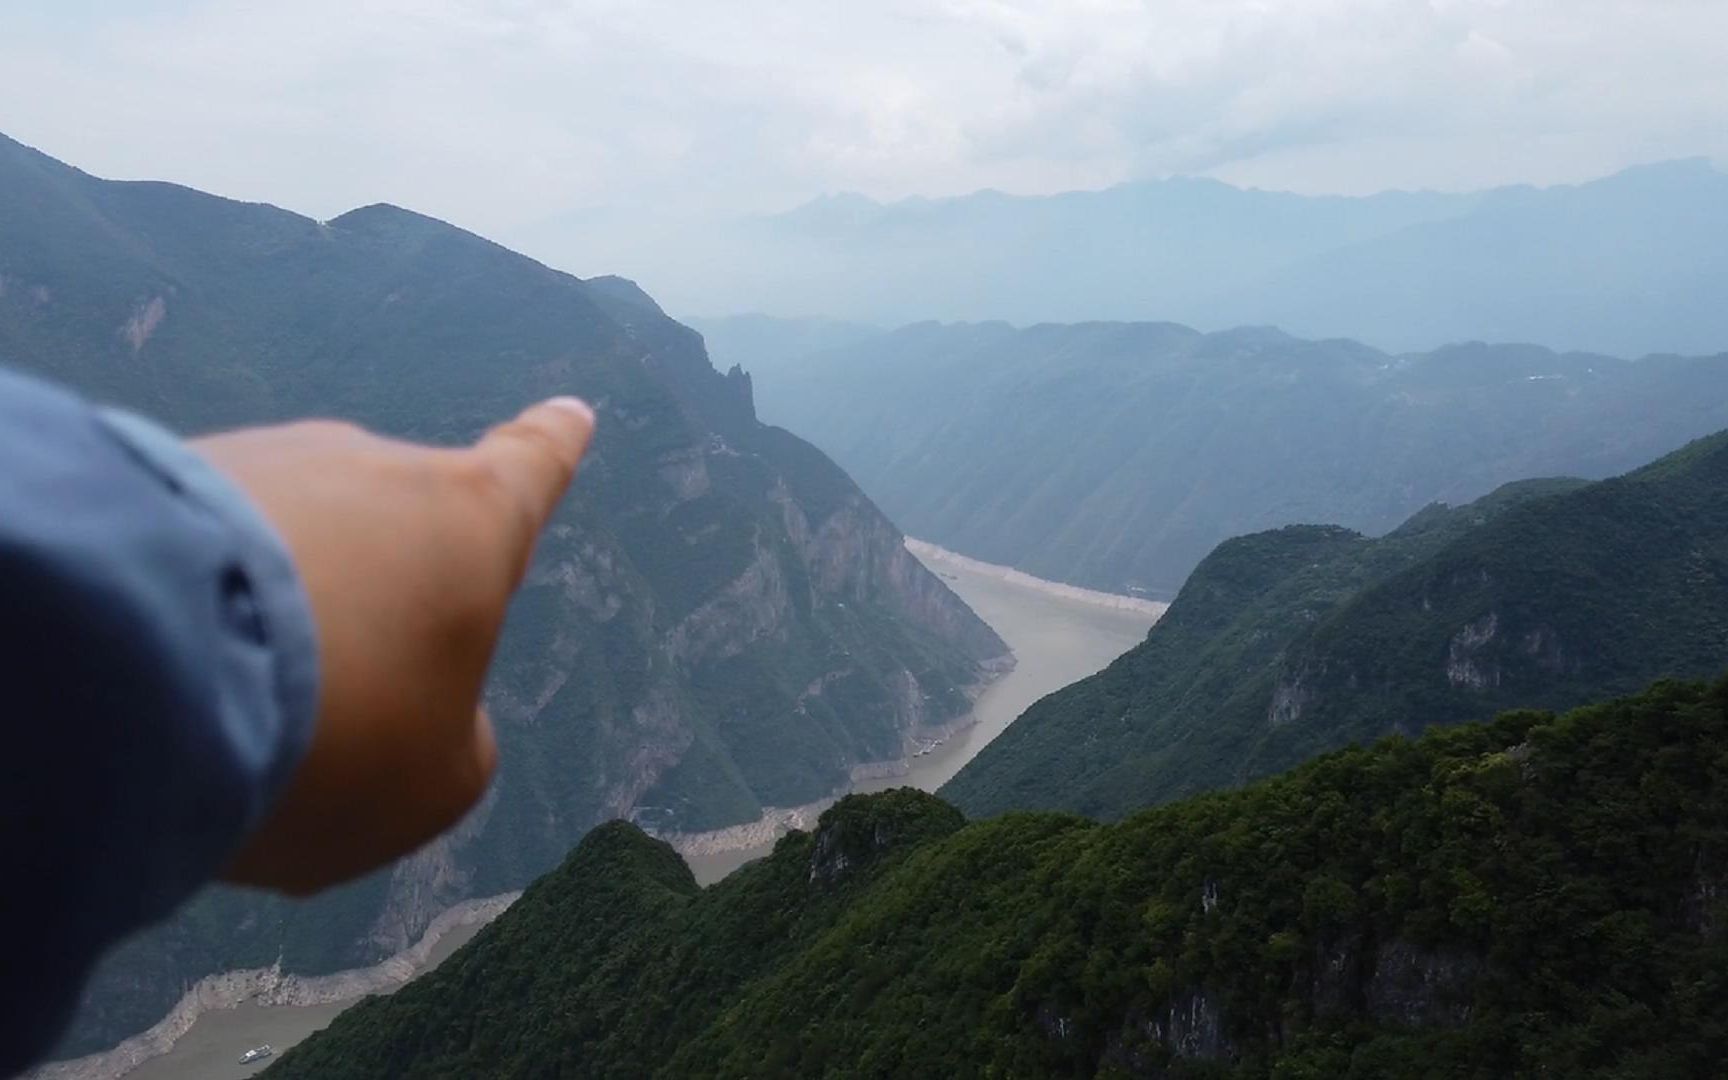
859,829
623,290
621,855
378,217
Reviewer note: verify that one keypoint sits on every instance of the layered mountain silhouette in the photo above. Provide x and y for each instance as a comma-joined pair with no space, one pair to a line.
1623,265
1117,455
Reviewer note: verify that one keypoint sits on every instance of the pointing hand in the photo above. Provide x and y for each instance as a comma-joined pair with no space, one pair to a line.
409,555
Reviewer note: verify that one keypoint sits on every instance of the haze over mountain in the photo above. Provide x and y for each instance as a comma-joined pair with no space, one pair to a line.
717,621
1285,644
1152,249
1624,265
1116,455
1621,265
1530,897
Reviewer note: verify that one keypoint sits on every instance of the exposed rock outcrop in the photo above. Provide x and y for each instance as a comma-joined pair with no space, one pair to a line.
1465,668
1419,987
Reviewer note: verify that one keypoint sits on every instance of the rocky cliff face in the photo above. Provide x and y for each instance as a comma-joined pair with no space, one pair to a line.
717,621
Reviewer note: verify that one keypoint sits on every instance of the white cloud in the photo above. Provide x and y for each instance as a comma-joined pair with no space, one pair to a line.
498,112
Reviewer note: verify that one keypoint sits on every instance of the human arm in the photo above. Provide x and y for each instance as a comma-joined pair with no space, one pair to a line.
164,613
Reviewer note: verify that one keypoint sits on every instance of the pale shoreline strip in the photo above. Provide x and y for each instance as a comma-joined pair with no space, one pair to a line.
269,986
776,822
930,553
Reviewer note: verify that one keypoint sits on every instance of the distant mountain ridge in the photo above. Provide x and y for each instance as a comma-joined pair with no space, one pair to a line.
1535,896
717,621
1624,265
1116,455
1290,643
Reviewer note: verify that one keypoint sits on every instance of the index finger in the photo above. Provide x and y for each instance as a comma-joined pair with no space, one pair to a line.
535,455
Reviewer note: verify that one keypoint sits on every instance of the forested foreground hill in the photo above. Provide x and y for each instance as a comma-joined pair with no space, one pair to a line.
1528,897
1117,455
717,620
1546,594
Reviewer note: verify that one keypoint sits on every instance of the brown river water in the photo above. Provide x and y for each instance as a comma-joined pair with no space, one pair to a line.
211,1049
1057,638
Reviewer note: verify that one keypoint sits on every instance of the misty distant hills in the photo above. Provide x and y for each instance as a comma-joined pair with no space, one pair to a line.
717,619
1156,250
1627,265
1290,643
1116,455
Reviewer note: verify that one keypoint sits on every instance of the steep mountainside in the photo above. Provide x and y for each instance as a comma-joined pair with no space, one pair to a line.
1289,643
1116,455
1530,897
717,621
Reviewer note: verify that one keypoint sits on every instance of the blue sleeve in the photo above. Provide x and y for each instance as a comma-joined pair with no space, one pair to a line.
159,678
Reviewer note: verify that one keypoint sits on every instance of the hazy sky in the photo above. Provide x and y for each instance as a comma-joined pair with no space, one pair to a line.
495,113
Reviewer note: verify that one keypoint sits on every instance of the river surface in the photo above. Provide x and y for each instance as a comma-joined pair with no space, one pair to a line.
1057,637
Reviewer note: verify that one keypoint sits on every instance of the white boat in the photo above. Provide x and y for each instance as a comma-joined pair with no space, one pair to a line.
257,1053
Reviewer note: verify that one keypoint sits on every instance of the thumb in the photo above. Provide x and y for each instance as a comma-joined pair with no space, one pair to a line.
534,456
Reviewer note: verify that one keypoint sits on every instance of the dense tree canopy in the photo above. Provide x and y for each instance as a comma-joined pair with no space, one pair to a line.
1535,896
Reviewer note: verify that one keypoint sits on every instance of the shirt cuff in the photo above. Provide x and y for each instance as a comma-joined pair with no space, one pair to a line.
269,607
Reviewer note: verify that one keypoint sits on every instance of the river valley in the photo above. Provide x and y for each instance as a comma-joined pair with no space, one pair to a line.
1058,635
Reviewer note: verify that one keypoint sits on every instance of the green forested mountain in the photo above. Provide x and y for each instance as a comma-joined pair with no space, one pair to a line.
1528,897
1117,455
1284,644
717,621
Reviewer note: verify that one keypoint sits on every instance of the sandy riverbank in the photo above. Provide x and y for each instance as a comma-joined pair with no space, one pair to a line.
272,987
777,821
938,558
1058,633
